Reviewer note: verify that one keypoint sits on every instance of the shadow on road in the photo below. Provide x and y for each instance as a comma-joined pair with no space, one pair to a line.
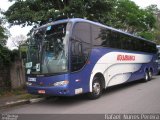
79,99
65,101
112,89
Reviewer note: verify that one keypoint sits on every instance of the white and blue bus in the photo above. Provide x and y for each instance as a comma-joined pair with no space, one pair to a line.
75,56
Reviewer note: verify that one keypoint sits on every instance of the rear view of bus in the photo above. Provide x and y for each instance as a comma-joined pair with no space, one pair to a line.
75,56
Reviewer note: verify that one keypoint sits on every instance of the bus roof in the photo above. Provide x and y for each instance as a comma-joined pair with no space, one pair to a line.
74,20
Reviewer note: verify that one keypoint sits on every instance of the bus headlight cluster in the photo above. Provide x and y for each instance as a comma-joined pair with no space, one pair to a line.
28,83
61,83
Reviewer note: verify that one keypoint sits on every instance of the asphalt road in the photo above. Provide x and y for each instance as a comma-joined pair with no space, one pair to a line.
135,97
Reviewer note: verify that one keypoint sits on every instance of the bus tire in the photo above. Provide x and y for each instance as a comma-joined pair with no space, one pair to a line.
96,89
146,77
150,74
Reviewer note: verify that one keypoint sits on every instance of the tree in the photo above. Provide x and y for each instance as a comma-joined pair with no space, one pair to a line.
3,37
154,33
130,18
4,51
18,40
156,12
38,12
3,31
122,14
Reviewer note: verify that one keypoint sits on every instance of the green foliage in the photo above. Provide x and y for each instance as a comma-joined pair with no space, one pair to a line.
121,14
147,35
153,33
5,54
3,36
6,58
3,31
14,55
153,9
35,12
129,17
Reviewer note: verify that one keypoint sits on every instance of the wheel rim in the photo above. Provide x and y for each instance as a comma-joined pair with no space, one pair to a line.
150,74
96,88
146,77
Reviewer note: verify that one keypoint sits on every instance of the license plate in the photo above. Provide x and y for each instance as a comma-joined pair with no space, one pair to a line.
41,91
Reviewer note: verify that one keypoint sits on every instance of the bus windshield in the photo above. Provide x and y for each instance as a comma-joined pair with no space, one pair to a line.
47,52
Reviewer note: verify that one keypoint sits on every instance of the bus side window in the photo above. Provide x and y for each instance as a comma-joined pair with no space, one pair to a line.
123,42
98,36
81,45
77,59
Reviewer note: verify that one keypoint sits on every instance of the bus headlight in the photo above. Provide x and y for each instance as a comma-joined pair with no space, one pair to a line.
61,83
28,83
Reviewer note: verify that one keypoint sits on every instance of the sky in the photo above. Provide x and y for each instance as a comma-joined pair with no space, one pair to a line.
145,3
17,30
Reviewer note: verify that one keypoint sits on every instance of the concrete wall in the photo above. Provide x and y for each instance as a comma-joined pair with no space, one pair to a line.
12,76
4,77
17,74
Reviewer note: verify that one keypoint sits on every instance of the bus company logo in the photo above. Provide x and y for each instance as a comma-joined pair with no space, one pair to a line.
125,58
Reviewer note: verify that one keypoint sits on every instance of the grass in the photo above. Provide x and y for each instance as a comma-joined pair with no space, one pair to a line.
20,92
29,96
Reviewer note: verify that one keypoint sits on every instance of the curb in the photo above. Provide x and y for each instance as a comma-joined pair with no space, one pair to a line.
35,100
15,103
21,102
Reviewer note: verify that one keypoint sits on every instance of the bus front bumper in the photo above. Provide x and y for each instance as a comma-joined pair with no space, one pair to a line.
53,91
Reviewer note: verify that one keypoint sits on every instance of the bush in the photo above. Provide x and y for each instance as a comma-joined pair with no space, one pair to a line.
5,55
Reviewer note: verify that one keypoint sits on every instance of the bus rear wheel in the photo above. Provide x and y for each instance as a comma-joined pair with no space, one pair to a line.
150,74
147,76
96,89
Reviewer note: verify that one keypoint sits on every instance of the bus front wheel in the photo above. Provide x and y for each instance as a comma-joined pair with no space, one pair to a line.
96,89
